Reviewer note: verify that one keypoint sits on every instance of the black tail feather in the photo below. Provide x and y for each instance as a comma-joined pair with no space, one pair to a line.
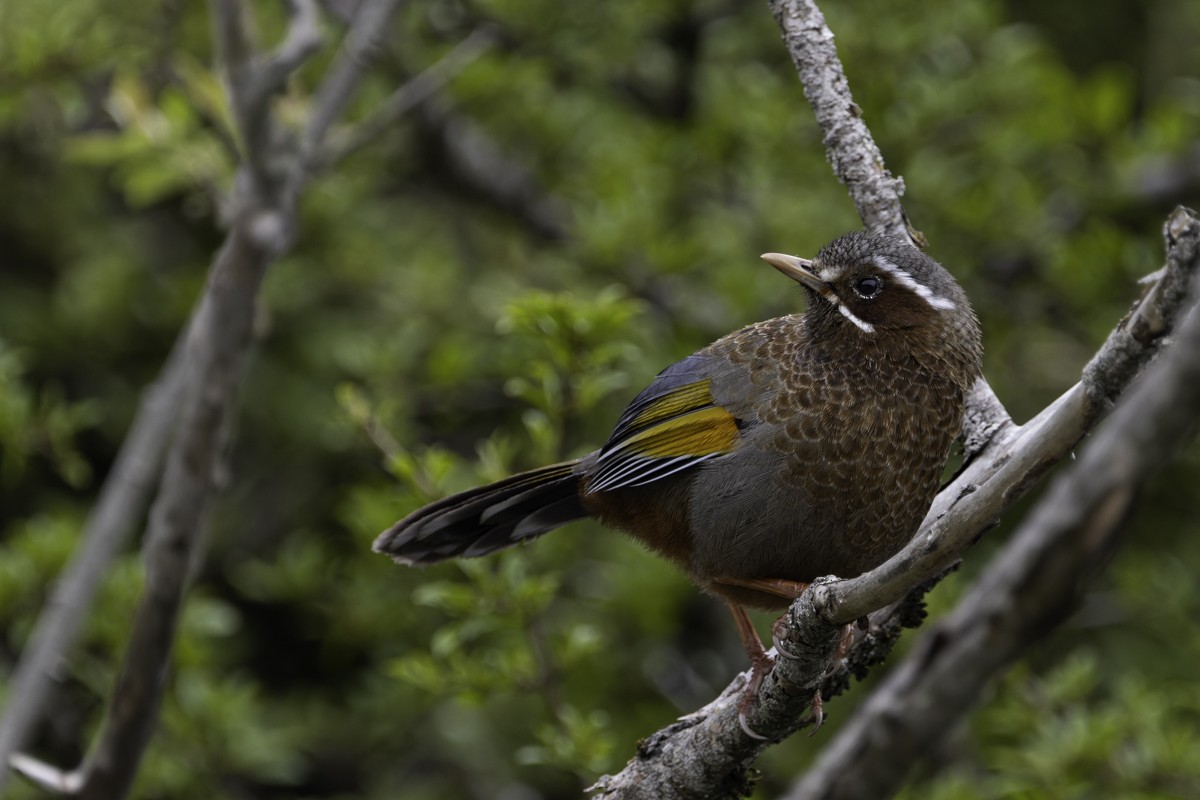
488,518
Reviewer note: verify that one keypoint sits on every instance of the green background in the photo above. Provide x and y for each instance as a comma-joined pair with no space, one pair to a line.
428,333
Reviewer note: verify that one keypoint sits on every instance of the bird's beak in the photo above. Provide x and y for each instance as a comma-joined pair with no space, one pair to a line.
798,269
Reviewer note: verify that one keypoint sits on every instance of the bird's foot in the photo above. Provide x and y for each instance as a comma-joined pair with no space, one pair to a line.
760,664
843,646
759,667
778,640
845,642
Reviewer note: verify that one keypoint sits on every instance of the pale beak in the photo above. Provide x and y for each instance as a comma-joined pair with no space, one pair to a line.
798,269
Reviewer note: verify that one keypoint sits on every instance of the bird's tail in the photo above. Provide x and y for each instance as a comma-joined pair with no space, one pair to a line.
488,518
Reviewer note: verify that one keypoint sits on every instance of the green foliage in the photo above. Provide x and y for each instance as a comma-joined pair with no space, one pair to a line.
163,146
1068,734
37,423
569,354
425,336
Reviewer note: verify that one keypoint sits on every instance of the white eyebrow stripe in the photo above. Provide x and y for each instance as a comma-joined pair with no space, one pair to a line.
919,289
865,327
830,274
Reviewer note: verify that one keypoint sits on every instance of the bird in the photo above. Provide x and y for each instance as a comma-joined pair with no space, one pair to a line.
802,446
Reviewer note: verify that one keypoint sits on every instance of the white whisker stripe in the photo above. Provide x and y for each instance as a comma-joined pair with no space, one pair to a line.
919,289
865,327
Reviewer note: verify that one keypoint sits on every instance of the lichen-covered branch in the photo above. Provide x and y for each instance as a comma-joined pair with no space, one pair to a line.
1030,587
706,754
858,163
856,159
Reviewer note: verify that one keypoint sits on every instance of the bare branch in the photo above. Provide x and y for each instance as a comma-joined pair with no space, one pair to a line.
302,41
235,50
253,80
220,339
858,164
706,753
856,159
125,494
1012,463
367,34
401,101
1033,585
231,34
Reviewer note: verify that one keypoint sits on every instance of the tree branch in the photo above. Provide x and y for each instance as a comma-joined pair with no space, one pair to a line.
1030,587
474,159
707,754
220,342
235,50
401,101
858,164
220,335
856,159
125,492
365,38
302,41
220,338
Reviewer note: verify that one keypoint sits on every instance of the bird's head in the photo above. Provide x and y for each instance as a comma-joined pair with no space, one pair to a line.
885,290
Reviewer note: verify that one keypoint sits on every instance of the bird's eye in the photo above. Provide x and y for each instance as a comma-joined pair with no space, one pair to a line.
868,287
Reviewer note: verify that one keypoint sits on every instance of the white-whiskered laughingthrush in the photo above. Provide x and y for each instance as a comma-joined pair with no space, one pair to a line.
802,446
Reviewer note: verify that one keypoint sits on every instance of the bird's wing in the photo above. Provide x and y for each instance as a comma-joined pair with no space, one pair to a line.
674,424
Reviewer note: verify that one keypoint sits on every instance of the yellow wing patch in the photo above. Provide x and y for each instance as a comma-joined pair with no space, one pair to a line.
663,434
702,432
677,401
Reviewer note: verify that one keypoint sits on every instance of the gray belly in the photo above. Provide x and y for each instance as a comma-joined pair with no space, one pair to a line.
830,509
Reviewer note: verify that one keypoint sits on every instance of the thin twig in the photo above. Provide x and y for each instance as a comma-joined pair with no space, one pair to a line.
367,33
401,101
302,41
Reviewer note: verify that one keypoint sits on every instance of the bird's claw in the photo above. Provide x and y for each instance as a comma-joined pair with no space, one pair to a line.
745,726
777,640
818,712
759,668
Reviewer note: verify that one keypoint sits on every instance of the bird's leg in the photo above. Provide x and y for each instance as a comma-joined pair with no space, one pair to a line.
780,587
760,663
